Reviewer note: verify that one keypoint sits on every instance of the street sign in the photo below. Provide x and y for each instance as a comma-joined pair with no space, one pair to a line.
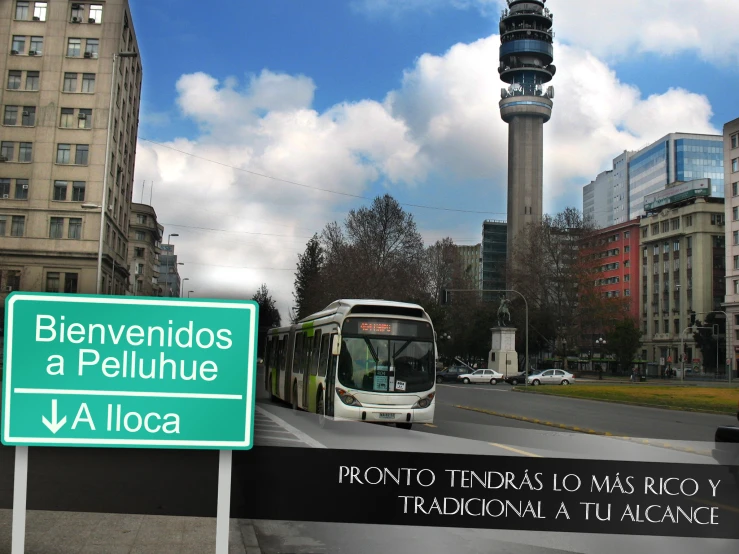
129,372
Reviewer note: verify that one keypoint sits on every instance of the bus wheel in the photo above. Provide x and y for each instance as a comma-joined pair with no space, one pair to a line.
404,425
294,398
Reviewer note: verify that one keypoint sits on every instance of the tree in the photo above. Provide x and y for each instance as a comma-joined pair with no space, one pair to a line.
624,341
707,341
269,316
307,279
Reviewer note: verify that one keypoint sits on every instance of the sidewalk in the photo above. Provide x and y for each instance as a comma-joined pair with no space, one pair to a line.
86,533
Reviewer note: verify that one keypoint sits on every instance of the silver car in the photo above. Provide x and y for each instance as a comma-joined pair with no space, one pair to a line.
481,376
551,377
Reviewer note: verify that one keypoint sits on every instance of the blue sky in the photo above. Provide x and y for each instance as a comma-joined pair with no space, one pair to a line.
370,95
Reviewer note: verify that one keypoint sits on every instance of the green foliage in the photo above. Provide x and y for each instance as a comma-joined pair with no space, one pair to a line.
269,316
623,341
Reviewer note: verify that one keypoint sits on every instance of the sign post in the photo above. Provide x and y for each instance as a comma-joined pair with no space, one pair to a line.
128,372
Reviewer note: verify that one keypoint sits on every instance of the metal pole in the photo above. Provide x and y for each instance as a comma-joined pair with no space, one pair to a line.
103,209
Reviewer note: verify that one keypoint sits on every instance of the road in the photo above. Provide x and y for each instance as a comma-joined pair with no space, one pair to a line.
184,482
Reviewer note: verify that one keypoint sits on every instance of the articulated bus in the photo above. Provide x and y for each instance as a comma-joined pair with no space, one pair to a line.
360,360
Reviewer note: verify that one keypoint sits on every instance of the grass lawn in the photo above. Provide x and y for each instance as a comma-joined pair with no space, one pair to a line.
722,400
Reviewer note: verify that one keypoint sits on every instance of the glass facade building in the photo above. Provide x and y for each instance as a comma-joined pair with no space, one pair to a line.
494,252
677,157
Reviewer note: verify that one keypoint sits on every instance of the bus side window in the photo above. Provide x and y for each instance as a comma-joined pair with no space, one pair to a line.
307,355
316,353
281,355
298,357
325,351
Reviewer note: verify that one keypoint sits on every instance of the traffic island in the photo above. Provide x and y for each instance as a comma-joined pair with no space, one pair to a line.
711,400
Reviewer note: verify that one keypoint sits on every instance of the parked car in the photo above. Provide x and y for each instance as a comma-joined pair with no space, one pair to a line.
551,377
481,376
517,378
450,374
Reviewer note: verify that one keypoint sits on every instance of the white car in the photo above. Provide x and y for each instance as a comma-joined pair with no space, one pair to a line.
551,377
481,376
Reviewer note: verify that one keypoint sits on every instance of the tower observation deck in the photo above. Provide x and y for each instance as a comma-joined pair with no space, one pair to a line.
526,56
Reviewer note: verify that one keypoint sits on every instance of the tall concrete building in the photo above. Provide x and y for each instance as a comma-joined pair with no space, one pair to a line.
145,241
169,274
731,178
526,56
68,144
471,257
599,193
683,268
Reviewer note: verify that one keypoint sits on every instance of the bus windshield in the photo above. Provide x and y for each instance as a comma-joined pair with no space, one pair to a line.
386,364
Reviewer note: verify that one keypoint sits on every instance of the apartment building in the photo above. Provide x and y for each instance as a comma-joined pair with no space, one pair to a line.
731,178
683,267
145,241
69,104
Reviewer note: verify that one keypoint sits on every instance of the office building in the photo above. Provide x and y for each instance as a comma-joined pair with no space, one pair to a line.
470,257
494,254
169,275
677,157
599,193
731,178
526,56
683,267
145,240
60,80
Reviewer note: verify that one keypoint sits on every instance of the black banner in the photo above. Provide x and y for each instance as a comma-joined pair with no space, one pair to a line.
488,492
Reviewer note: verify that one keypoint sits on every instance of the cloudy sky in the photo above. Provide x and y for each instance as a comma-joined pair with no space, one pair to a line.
264,120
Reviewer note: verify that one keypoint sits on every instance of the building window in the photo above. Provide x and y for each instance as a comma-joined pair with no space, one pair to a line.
28,117
717,219
735,141
70,82
3,223
75,228
32,80
39,11
70,283
81,154
14,80
676,246
84,119
655,229
63,153
21,10
19,45
736,286
96,13
688,220
736,262
92,48
140,235
78,191
735,189
52,282
735,213
60,190
88,82
25,152
74,48
665,226
11,115
56,227
67,118
7,151
21,189
666,248
4,188
138,252
735,165
141,219
37,46
18,226
78,13
676,224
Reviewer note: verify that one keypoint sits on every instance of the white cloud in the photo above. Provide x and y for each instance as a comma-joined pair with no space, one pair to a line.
441,123
616,30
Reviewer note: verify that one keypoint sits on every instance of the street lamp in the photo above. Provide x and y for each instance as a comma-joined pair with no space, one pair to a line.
116,57
601,342
182,290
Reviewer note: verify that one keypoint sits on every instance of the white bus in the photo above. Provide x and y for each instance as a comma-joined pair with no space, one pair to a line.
361,360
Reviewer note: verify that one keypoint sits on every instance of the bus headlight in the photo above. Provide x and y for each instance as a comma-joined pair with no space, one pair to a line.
424,402
347,398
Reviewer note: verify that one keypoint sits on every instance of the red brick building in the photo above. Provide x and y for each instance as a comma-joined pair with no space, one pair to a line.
615,256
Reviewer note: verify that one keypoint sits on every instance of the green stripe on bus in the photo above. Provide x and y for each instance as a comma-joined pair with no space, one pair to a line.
312,388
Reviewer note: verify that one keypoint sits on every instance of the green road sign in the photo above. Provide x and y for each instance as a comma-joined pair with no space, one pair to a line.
102,371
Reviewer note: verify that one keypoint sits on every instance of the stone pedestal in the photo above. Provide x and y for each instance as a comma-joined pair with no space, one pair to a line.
503,357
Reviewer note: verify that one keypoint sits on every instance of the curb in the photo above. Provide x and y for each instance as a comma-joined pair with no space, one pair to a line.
627,403
647,442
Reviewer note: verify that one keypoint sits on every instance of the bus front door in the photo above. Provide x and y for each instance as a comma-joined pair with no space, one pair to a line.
331,380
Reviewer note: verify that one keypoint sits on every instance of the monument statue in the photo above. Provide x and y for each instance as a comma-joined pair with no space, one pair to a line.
503,312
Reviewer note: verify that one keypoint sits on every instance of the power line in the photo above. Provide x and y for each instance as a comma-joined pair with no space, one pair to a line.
311,187
243,267
234,232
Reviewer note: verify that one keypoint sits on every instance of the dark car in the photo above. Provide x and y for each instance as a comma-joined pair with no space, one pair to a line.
516,379
450,374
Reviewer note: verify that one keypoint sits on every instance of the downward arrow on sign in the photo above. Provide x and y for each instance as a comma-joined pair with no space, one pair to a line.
54,425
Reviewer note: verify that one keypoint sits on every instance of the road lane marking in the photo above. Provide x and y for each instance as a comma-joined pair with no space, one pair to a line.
516,450
646,442
310,441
